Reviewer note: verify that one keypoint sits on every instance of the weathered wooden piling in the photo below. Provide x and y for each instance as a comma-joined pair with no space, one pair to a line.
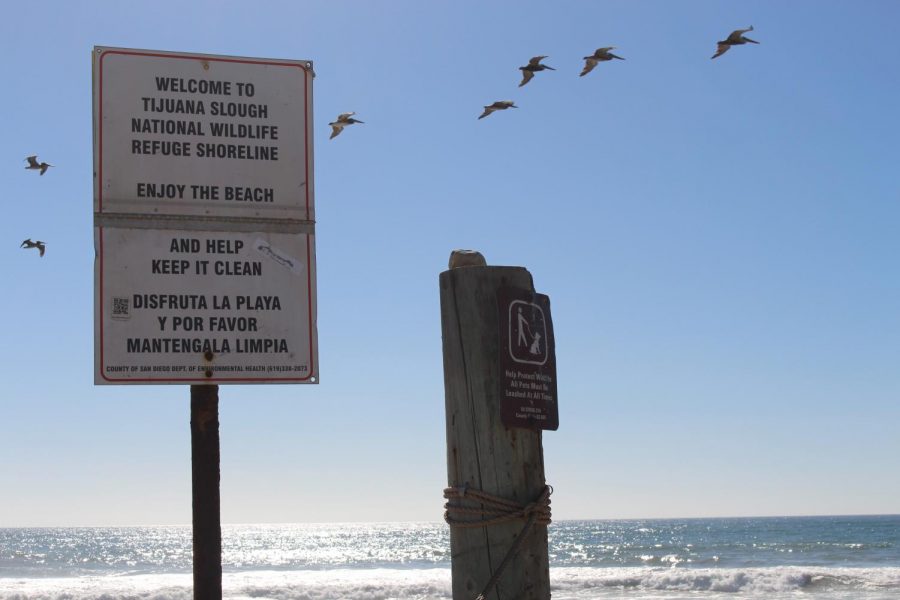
483,454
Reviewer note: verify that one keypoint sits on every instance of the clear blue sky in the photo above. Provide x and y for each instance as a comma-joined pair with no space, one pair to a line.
719,240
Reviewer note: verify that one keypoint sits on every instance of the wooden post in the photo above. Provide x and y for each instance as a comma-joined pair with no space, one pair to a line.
481,453
205,492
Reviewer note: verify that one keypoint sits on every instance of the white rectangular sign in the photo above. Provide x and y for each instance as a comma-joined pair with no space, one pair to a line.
204,225
195,134
210,307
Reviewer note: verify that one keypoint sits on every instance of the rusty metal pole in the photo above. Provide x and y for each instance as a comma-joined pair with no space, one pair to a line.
205,492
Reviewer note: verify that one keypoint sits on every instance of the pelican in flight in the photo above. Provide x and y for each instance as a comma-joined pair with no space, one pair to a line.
342,121
599,55
27,244
498,105
534,65
735,39
35,165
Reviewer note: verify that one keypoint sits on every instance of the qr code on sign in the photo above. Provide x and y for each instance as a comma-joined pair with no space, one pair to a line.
120,308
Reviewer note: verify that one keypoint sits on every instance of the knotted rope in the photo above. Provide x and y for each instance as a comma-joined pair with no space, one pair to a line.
493,511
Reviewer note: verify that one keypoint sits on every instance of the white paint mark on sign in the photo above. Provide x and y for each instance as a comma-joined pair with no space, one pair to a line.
279,256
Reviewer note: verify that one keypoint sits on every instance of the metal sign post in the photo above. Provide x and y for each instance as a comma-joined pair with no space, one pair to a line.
206,521
204,232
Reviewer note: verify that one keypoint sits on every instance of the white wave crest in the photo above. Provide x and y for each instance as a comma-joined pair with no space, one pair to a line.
337,584
580,582
567,583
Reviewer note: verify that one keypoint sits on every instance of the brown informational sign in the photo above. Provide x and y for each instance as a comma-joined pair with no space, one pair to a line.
527,361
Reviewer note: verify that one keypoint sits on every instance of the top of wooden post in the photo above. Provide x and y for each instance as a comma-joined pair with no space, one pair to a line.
466,258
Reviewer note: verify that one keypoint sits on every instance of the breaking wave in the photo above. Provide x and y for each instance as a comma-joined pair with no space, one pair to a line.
568,583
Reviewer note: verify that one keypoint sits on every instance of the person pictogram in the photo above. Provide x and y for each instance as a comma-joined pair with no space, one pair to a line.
527,333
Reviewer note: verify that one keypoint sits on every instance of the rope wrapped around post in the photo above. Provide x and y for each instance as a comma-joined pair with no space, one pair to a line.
495,510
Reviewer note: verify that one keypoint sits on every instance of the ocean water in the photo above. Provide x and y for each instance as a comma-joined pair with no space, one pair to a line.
793,557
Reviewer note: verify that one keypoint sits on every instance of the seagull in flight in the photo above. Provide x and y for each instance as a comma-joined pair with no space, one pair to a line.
35,165
498,105
342,121
27,244
534,65
735,39
599,55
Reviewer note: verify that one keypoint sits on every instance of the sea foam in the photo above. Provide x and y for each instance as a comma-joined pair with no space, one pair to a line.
567,583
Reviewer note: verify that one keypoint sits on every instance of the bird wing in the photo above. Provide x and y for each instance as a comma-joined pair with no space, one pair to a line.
536,60
335,130
44,167
27,243
721,49
589,64
735,36
32,162
41,248
344,117
487,110
526,76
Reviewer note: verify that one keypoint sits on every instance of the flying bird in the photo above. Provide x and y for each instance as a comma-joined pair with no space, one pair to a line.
342,121
735,39
27,244
534,65
35,165
599,55
498,105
